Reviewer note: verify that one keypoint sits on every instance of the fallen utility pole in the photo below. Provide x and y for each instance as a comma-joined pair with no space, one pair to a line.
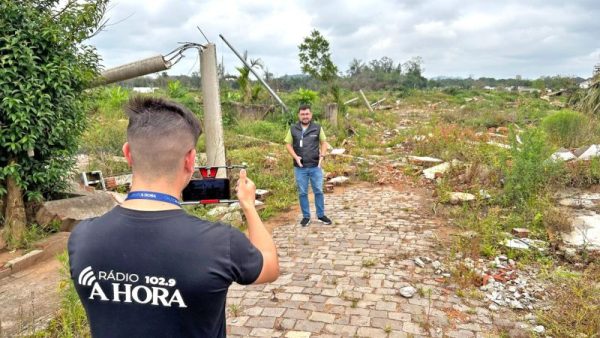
273,94
350,101
132,70
377,103
366,101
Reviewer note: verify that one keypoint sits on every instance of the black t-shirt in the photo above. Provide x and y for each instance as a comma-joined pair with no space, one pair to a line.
158,273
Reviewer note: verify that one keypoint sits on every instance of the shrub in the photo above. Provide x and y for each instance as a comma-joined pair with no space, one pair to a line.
528,171
567,128
176,90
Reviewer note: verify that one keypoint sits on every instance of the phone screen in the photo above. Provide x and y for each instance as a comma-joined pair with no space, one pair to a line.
208,189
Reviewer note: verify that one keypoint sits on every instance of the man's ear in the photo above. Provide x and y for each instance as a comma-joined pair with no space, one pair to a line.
190,161
127,153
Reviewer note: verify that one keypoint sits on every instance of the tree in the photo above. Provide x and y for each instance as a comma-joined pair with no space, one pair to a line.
248,92
44,68
413,69
315,58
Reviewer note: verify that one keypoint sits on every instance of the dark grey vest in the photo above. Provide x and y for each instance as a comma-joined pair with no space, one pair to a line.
310,144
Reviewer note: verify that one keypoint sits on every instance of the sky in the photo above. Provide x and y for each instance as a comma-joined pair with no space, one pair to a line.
490,38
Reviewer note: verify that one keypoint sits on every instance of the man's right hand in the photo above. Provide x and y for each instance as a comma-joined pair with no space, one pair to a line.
299,161
246,190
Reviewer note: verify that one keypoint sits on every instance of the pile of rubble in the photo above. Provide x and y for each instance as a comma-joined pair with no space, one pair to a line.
502,283
585,153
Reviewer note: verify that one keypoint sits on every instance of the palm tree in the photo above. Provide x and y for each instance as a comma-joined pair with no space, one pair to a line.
243,78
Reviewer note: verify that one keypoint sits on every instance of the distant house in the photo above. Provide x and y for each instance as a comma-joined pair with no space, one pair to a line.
585,84
145,90
489,88
522,89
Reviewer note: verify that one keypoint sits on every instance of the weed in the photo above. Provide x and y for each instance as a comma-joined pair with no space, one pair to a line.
465,277
234,310
369,262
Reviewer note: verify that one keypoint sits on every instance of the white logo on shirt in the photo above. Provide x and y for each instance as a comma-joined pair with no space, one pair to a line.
124,289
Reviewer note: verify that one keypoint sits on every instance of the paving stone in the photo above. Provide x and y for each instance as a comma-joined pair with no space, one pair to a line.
370,332
297,314
261,322
322,317
297,334
307,325
341,330
261,332
273,312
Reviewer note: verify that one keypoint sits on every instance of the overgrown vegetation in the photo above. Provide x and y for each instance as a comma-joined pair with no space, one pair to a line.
45,66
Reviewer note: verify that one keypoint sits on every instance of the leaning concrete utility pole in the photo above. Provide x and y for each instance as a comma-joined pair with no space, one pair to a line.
213,122
273,94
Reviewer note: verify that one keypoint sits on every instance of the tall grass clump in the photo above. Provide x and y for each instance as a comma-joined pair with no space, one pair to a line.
567,128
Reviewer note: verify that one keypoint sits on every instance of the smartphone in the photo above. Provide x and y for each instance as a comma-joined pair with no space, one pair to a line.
207,189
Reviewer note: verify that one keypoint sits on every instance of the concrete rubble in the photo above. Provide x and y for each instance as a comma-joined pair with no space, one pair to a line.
340,180
424,160
439,170
70,211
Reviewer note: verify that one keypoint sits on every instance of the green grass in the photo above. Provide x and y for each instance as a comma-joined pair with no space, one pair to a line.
567,128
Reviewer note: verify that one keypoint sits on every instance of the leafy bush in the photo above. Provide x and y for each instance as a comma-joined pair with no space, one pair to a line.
176,90
528,170
304,96
567,128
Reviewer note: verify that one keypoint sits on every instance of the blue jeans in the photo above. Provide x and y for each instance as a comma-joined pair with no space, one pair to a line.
315,175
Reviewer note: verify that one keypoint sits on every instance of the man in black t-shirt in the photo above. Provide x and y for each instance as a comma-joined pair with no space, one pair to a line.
148,269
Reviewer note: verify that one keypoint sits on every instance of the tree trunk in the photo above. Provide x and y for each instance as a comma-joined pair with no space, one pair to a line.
14,216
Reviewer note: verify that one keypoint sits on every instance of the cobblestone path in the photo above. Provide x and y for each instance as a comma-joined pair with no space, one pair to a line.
342,280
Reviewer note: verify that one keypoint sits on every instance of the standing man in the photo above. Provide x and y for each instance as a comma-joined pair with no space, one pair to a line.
307,144
147,268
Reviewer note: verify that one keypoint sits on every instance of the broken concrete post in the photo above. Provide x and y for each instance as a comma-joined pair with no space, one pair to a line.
331,112
366,101
131,70
68,212
213,122
350,101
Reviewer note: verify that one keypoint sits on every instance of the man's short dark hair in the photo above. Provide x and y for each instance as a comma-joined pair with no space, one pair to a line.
159,133
303,107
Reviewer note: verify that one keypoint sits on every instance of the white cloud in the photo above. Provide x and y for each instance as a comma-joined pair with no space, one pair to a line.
454,38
